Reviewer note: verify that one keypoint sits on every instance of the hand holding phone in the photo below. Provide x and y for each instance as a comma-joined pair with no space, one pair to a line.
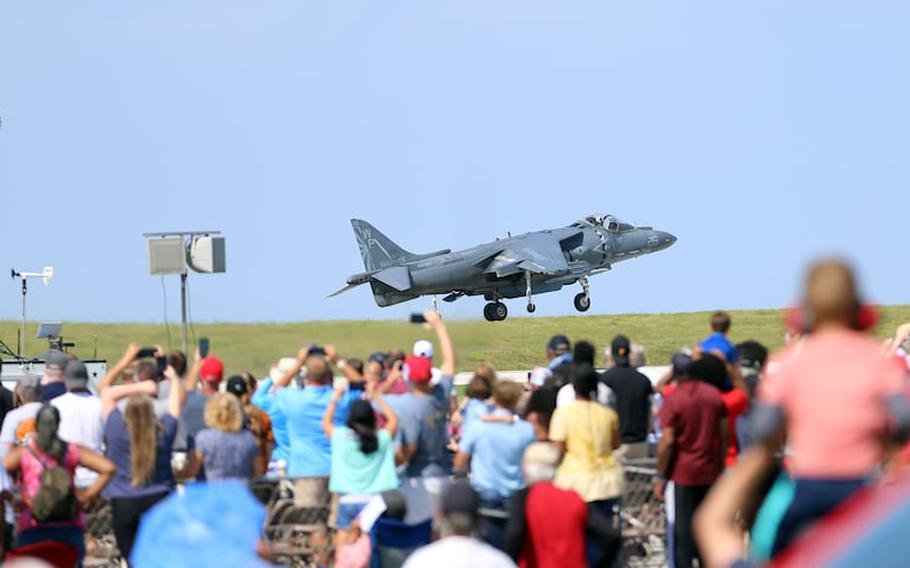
146,352
161,363
203,347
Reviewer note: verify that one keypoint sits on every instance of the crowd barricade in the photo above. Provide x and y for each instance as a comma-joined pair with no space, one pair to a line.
298,513
642,518
100,544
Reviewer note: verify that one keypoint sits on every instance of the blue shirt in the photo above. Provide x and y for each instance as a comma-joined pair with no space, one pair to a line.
564,358
310,448
265,399
51,391
719,341
496,450
473,410
117,436
424,423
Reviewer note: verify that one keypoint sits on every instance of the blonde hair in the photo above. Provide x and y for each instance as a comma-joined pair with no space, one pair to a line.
143,427
223,412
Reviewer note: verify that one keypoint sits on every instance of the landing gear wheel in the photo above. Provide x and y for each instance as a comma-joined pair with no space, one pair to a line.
488,312
499,311
532,308
582,302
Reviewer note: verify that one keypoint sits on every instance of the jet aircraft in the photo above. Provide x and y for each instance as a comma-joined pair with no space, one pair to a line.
511,267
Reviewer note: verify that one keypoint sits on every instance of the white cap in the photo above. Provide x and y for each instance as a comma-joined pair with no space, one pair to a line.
539,376
284,365
423,348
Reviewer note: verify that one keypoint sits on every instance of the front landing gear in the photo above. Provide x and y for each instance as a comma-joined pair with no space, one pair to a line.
531,307
495,311
583,300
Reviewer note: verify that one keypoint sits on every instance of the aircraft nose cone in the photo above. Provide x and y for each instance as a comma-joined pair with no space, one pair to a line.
665,239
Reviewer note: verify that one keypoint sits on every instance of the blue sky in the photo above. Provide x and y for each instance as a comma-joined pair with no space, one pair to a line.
760,133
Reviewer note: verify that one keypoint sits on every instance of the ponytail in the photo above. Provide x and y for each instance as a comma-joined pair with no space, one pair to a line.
362,420
46,423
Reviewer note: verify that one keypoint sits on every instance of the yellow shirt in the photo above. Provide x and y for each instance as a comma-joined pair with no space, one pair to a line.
588,466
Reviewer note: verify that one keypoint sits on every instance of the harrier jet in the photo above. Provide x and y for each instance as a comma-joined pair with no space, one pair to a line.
523,265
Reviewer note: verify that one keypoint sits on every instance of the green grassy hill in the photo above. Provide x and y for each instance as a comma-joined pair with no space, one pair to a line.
517,343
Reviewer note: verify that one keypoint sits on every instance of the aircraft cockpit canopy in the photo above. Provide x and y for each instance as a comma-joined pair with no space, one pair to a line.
612,224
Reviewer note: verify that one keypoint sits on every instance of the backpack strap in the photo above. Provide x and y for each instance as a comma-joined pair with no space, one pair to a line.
32,451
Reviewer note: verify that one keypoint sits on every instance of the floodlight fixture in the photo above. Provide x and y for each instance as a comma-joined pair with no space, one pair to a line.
172,252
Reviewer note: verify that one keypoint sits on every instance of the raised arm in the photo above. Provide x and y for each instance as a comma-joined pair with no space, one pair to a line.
349,372
715,523
391,419
328,424
192,376
111,395
177,396
434,322
295,368
132,351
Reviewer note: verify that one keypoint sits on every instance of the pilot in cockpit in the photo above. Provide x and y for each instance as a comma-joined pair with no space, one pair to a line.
609,221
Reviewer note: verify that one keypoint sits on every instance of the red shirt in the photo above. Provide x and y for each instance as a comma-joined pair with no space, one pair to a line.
736,403
556,520
694,411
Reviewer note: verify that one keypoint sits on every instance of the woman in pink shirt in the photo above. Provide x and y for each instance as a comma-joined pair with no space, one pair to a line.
62,520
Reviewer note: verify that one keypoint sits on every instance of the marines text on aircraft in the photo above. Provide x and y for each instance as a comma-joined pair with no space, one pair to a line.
523,265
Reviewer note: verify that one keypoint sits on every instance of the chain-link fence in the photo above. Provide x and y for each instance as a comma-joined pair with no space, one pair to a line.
644,526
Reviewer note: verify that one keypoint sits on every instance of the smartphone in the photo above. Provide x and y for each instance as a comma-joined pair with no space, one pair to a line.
146,352
203,347
418,318
317,350
162,365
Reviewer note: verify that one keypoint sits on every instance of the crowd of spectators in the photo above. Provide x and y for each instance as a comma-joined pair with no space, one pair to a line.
508,473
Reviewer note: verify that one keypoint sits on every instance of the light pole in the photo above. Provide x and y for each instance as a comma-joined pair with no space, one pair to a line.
45,275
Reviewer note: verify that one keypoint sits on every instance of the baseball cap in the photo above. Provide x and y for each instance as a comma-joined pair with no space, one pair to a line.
236,386
212,370
423,348
75,374
559,344
29,386
619,350
284,365
681,361
56,358
539,376
418,369
460,497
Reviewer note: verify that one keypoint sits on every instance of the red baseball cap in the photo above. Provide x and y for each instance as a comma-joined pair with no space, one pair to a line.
418,369
212,370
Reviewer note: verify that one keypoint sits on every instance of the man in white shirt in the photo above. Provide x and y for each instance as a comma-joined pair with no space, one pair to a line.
460,520
28,391
80,416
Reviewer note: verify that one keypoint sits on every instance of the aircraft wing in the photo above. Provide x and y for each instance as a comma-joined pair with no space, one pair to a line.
537,253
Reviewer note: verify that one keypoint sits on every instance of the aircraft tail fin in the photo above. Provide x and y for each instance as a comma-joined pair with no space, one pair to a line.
378,251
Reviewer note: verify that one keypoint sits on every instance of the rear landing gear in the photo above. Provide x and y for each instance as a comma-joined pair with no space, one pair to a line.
583,300
495,311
